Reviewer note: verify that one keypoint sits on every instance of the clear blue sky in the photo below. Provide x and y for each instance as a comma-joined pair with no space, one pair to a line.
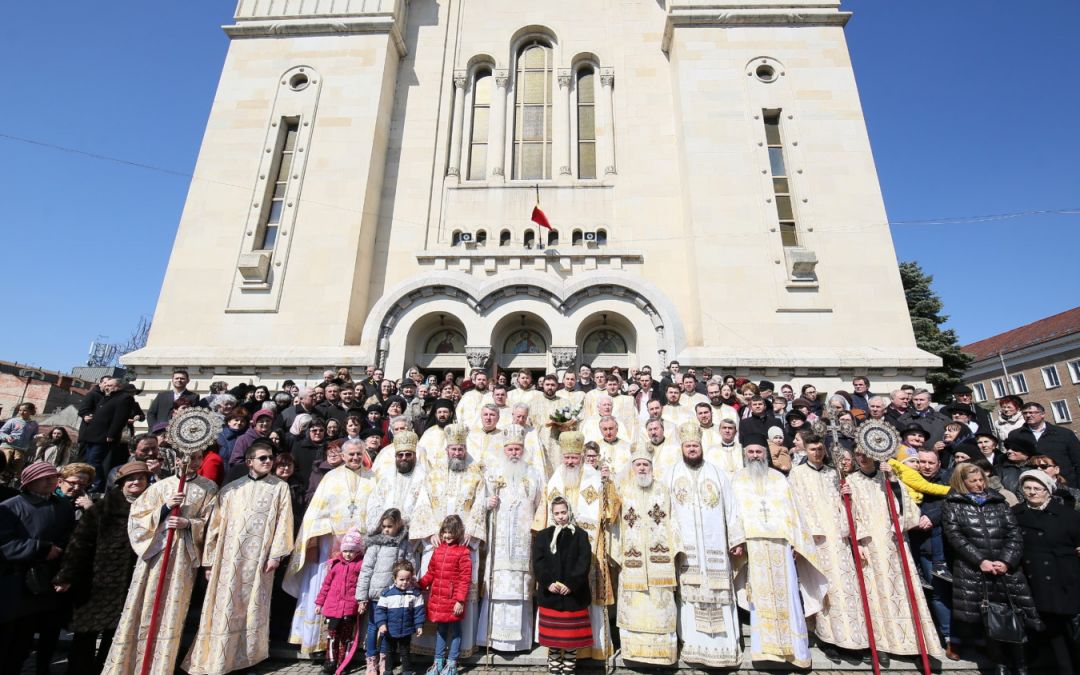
971,107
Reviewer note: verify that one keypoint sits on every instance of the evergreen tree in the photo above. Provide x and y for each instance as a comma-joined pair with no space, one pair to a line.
925,306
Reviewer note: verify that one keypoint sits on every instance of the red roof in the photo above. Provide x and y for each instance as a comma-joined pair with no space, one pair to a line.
1043,330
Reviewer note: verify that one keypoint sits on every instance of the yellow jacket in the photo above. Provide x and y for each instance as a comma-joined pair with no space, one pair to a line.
915,483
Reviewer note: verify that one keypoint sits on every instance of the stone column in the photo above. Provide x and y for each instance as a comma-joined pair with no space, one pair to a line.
496,141
478,357
560,140
457,126
605,124
563,358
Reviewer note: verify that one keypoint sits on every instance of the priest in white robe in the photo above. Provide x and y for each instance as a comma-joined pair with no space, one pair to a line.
514,492
468,408
665,450
250,532
455,486
644,545
148,525
766,582
705,512
399,489
340,503
722,447
482,443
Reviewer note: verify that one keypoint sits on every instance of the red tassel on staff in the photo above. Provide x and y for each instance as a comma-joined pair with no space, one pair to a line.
163,576
907,576
853,539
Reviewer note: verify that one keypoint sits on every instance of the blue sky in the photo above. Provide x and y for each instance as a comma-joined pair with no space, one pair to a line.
971,107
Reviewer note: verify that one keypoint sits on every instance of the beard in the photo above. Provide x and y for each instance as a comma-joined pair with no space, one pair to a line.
456,464
405,466
513,469
758,468
571,477
643,481
694,463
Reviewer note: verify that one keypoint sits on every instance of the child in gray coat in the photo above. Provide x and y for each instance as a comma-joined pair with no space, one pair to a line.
387,544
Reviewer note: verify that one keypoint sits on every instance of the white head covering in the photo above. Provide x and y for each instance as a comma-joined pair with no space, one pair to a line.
570,525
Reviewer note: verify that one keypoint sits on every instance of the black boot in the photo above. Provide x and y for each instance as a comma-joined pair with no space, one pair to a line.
1019,659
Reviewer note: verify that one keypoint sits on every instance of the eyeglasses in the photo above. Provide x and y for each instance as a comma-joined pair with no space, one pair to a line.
317,431
74,483
263,458
1045,466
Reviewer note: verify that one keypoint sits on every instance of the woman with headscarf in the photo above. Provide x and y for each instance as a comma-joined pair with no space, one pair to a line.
297,430
310,449
561,556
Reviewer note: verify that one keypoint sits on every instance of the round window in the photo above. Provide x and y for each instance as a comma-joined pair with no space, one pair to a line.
765,73
298,82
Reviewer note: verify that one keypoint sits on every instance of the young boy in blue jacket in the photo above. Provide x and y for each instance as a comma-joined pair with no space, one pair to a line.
400,615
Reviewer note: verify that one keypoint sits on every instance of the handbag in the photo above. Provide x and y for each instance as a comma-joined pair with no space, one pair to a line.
1003,622
38,579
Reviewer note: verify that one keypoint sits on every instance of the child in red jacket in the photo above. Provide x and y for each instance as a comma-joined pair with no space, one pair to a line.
449,574
337,597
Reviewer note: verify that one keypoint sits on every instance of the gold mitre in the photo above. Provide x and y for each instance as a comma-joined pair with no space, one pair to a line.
572,442
641,451
405,440
514,434
689,431
456,434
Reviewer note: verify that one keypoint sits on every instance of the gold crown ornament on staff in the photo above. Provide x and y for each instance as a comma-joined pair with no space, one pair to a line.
877,439
193,430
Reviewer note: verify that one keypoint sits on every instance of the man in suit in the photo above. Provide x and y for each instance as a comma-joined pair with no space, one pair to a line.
1058,443
161,408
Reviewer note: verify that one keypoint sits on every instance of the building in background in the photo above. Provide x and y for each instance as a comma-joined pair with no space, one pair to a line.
365,183
1038,362
48,390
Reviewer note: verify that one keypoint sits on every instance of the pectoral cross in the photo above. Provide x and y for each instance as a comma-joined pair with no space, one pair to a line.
764,512
352,509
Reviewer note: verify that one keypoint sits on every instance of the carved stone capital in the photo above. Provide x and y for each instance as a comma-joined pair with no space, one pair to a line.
563,357
478,356
609,169
564,171
497,171
564,78
607,77
453,171
461,78
501,78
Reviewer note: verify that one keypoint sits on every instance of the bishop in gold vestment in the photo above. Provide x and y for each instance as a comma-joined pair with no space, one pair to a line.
645,545
147,532
890,610
250,531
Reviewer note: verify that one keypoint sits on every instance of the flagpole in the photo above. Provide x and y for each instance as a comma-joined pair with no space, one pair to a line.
539,234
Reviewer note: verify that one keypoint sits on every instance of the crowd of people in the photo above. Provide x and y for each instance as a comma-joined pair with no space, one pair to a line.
372,519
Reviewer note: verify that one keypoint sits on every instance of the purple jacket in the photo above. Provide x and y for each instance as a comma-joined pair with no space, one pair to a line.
241,446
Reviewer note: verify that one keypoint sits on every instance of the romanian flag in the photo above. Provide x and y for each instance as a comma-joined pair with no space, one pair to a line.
538,216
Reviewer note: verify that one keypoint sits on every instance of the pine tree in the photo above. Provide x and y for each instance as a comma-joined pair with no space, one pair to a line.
925,307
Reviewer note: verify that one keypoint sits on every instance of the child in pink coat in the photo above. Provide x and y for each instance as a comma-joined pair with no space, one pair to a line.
337,597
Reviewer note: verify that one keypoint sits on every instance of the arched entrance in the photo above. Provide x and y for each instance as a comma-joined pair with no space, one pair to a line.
521,341
437,344
606,340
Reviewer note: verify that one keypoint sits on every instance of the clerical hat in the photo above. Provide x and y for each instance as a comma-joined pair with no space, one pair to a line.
405,440
690,432
572,442
642,451
456,434
514,434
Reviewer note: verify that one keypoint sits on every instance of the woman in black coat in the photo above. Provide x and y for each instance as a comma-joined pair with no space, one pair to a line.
97,568
987,544
1051,538
561,559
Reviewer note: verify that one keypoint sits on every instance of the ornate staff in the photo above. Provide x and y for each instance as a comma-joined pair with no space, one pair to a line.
190,431
879,441
835,429
498,483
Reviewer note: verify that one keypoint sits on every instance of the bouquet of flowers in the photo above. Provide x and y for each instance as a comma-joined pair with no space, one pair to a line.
565,418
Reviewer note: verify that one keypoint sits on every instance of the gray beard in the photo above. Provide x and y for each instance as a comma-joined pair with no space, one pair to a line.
758,469
643,481
513,470
457,465
571,477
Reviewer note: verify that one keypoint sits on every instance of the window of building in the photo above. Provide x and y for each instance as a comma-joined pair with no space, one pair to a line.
586,122
601,237
1050,377
481,238
1019,384
781,185
445,341
481,116
281,171
980,391
605,341
532,113
504,238
530,239
553,238
1074,371
455,238
1061,411
998,384
575,238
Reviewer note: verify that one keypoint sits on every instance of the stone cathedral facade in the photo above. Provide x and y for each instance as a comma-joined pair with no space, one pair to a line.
364,189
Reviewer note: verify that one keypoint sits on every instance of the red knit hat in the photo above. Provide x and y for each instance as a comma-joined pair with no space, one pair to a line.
37,471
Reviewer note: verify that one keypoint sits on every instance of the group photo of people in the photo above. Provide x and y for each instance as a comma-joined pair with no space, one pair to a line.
602,515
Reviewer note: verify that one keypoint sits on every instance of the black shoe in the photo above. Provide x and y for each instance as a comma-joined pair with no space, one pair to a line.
830,653
927,586
329,667
941,571
883,659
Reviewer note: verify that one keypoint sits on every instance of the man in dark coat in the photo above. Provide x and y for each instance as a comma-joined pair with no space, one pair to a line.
561,558
34,529
979,415
96,569
760,420
922,413
104,431
161,408
1058,443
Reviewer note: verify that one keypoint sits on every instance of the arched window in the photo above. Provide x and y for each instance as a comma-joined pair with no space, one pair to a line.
455,238
481,238
532,113
553,238
445,341
530,239
524,341
575,238
504,238
604,341
586,122
601,237
481,109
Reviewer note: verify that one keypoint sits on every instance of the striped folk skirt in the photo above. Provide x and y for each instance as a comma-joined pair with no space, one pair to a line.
564,630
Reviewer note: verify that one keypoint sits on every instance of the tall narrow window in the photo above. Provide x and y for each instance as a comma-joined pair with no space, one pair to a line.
586,122
281,173
781,185
530,239
532,113
481,115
